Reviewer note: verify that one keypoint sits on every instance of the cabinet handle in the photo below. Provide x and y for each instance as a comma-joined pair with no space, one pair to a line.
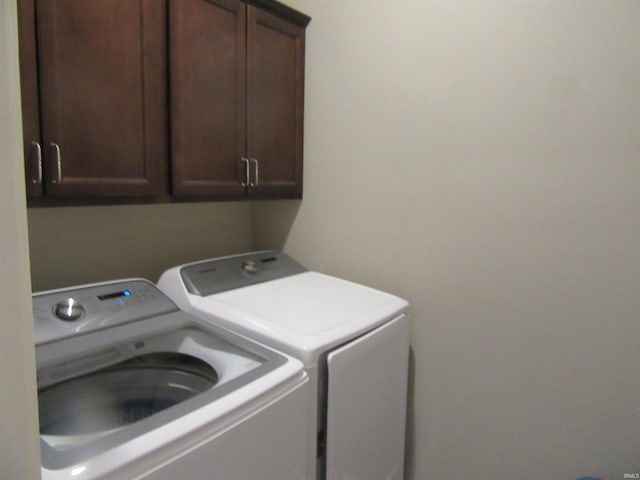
56,147
35,147
257,177
246,172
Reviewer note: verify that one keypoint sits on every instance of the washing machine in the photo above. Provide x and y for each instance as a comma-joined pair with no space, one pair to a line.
353,342
131,387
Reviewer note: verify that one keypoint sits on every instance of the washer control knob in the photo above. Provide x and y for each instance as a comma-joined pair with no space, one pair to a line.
68,310
249,266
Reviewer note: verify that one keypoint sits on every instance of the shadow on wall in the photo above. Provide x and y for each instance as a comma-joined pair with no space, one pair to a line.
272,223
78,245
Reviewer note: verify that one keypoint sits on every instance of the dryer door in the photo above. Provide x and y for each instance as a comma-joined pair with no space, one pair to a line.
366,405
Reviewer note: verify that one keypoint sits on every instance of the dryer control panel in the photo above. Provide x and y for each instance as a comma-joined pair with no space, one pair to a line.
227,273
63,313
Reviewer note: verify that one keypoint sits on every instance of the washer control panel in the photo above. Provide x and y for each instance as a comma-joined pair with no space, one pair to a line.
63,313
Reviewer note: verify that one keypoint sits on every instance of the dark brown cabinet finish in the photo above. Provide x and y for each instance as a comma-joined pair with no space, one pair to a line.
237,80
30,104
207,68
102,97
275,96
111,87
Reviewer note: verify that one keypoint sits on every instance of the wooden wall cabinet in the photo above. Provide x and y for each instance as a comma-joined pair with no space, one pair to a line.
93,89
237,92
108,91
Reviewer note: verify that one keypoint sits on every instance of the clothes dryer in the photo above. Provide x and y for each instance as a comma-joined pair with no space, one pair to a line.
353,341
130,387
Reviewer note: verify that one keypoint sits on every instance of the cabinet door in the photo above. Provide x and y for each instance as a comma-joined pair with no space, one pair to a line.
275,95
103,96
208,81
30,101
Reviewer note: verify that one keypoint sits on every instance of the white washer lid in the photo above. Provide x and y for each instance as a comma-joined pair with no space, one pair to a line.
302,315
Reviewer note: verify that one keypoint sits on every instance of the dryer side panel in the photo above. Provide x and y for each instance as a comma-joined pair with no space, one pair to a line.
366,405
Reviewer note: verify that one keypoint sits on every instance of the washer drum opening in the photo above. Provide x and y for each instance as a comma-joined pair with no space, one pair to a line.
122,394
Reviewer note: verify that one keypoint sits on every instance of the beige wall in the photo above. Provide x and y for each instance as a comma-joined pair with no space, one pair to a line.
481,158
19,450
76,245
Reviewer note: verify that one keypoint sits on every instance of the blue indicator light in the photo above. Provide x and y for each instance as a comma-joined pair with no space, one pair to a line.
107,296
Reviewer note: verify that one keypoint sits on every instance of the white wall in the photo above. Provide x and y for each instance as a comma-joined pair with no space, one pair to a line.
481,158
19,450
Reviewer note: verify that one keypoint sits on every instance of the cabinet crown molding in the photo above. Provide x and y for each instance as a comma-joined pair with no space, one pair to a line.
281,10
